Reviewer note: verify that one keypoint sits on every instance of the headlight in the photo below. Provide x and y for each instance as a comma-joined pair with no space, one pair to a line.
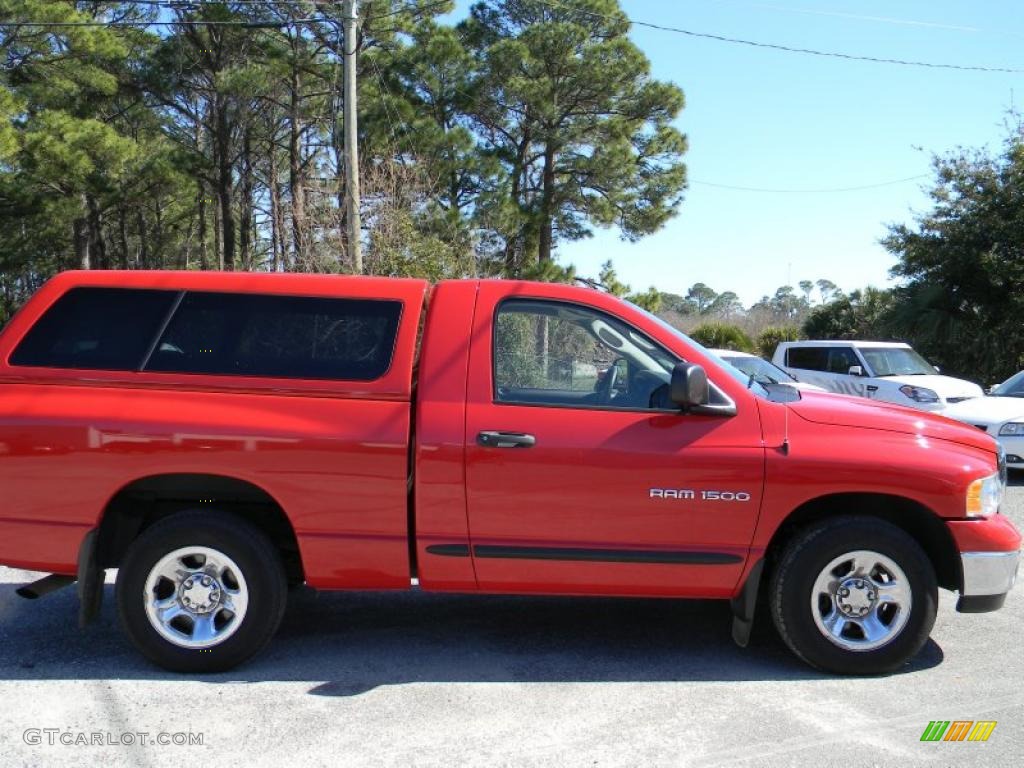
984,496
1012,428
919,394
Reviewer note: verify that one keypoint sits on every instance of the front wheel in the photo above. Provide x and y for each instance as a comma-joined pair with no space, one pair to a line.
201,591
854,595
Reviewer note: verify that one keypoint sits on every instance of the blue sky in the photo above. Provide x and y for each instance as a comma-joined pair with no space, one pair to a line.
768,119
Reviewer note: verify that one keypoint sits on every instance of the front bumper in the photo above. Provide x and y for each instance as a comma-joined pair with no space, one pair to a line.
1014,447
988,576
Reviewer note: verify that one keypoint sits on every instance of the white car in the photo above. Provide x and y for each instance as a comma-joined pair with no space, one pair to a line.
1001,415
762,371
886,371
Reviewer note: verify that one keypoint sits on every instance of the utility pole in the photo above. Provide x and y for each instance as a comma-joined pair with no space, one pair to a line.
350,18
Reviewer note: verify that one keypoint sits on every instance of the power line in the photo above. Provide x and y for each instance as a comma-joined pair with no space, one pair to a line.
860,17
811,191
192,4
186,4
262,24
785,48
420,8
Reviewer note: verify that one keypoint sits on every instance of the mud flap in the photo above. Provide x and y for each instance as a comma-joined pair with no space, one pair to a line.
744,605
90,580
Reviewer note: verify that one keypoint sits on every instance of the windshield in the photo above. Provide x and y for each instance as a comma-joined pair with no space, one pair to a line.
762,371
1012,387
896,361
754,386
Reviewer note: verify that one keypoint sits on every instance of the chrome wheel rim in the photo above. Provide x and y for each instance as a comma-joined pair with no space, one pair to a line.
196,597
861,600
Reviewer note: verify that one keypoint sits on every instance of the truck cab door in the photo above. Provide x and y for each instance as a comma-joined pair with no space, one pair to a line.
580,476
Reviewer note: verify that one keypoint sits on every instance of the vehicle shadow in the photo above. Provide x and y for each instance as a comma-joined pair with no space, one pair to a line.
351,643
1015,478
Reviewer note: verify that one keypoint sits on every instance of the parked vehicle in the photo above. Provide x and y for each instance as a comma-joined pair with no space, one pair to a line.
217,437
890,372
1001,414
761,370
1012,387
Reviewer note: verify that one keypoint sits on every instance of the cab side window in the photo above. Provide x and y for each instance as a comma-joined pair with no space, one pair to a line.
841,359
824,359
807,358
552,353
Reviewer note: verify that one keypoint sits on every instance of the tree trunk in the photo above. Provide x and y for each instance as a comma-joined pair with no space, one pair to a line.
547,205
204,258
158,226
81,230
245,214
217,237
97,247
140,221
513,243
123,227
340,194
222,140
276,224
295,175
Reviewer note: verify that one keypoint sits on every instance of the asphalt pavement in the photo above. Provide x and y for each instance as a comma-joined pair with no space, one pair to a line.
424,680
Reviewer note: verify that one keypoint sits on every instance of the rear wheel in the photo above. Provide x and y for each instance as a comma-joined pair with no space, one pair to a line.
201,591
854,595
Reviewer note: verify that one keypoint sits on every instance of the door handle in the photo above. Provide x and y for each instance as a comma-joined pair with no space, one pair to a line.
505,440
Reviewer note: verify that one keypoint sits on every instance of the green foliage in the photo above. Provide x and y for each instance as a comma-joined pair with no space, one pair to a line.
484,145
649,299
722,336
726,306
826,290
74,153
565,102
405,247
860,315
609,281
9,110
771,337
549,272
702,296
962,265
676,304
221,146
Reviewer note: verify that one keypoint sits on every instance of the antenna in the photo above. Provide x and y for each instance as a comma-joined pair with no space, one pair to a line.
597,285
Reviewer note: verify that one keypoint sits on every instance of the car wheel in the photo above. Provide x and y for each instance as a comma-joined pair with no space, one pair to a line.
201,591
854,596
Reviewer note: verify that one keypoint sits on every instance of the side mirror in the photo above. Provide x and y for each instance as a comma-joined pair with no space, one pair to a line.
855,370
689,387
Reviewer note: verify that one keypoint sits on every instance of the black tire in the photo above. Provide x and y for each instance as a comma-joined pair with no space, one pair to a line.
256,558
808,554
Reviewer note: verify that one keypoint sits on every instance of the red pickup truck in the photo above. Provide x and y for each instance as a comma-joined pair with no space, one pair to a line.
218,438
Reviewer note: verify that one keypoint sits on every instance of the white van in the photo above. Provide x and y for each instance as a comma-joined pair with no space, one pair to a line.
892,372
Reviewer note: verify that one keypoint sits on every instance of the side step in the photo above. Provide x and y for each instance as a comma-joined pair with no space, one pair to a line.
45,586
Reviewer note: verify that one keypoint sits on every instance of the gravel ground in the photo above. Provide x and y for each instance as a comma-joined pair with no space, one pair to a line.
415,679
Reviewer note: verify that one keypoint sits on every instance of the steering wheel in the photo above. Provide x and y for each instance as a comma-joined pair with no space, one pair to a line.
606,386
